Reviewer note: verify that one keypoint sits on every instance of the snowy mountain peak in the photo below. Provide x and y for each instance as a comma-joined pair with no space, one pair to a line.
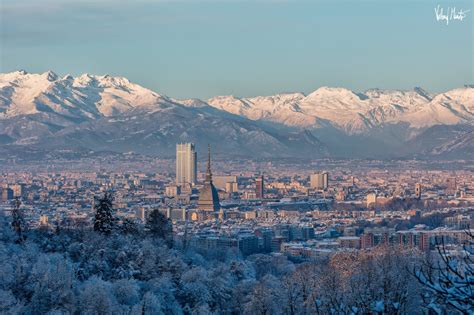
90,108
192,102
326,91
92,96
354,112
12,76
50,76
84,97
423,93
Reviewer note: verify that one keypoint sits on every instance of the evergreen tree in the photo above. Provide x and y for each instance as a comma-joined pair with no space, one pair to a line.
18,221
104,219
129,226
160,226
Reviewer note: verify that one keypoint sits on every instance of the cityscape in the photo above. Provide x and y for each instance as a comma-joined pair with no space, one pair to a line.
240,157
298,214
262,207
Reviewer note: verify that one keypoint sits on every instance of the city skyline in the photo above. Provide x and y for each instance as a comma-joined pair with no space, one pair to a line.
97,211
341,176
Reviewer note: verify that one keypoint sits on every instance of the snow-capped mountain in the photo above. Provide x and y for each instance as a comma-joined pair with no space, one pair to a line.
356,113
111,113
84,97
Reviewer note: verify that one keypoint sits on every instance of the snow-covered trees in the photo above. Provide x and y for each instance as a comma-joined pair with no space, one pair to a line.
137,273
8,302
160,226
104,220
449,279
360,282
129,226
96,297
52,280
382,282
267,297
18,222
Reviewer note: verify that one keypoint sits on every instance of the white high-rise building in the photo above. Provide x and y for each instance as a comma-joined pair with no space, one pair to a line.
319,180
186,164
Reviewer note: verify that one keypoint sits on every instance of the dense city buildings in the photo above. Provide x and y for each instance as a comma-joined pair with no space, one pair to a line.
369,203
281,223
292,210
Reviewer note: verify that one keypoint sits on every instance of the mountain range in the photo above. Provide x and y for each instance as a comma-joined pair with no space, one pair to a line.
46,112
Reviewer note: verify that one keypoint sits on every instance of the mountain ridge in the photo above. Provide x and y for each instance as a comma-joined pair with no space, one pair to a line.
46,110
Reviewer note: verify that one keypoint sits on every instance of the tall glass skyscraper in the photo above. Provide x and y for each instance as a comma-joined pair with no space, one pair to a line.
186,164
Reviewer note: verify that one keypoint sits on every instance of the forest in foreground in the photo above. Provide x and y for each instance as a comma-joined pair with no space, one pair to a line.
128,269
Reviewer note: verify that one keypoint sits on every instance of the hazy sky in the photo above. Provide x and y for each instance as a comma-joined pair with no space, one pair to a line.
245,48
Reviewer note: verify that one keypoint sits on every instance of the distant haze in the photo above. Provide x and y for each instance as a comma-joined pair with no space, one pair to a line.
244,48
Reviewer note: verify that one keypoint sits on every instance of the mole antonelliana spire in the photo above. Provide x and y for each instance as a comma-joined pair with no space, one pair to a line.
208,171
208,196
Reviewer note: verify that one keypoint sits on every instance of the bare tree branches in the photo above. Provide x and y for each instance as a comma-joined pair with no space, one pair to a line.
449,281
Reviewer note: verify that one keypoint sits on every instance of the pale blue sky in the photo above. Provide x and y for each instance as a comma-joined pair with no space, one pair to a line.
245,48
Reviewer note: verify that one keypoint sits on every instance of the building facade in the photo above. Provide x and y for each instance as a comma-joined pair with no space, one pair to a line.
319,180
186,164
221,181
6,194
259,188
418,190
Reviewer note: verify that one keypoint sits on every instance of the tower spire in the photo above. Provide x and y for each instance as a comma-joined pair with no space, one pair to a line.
208,172
208,196
209,158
